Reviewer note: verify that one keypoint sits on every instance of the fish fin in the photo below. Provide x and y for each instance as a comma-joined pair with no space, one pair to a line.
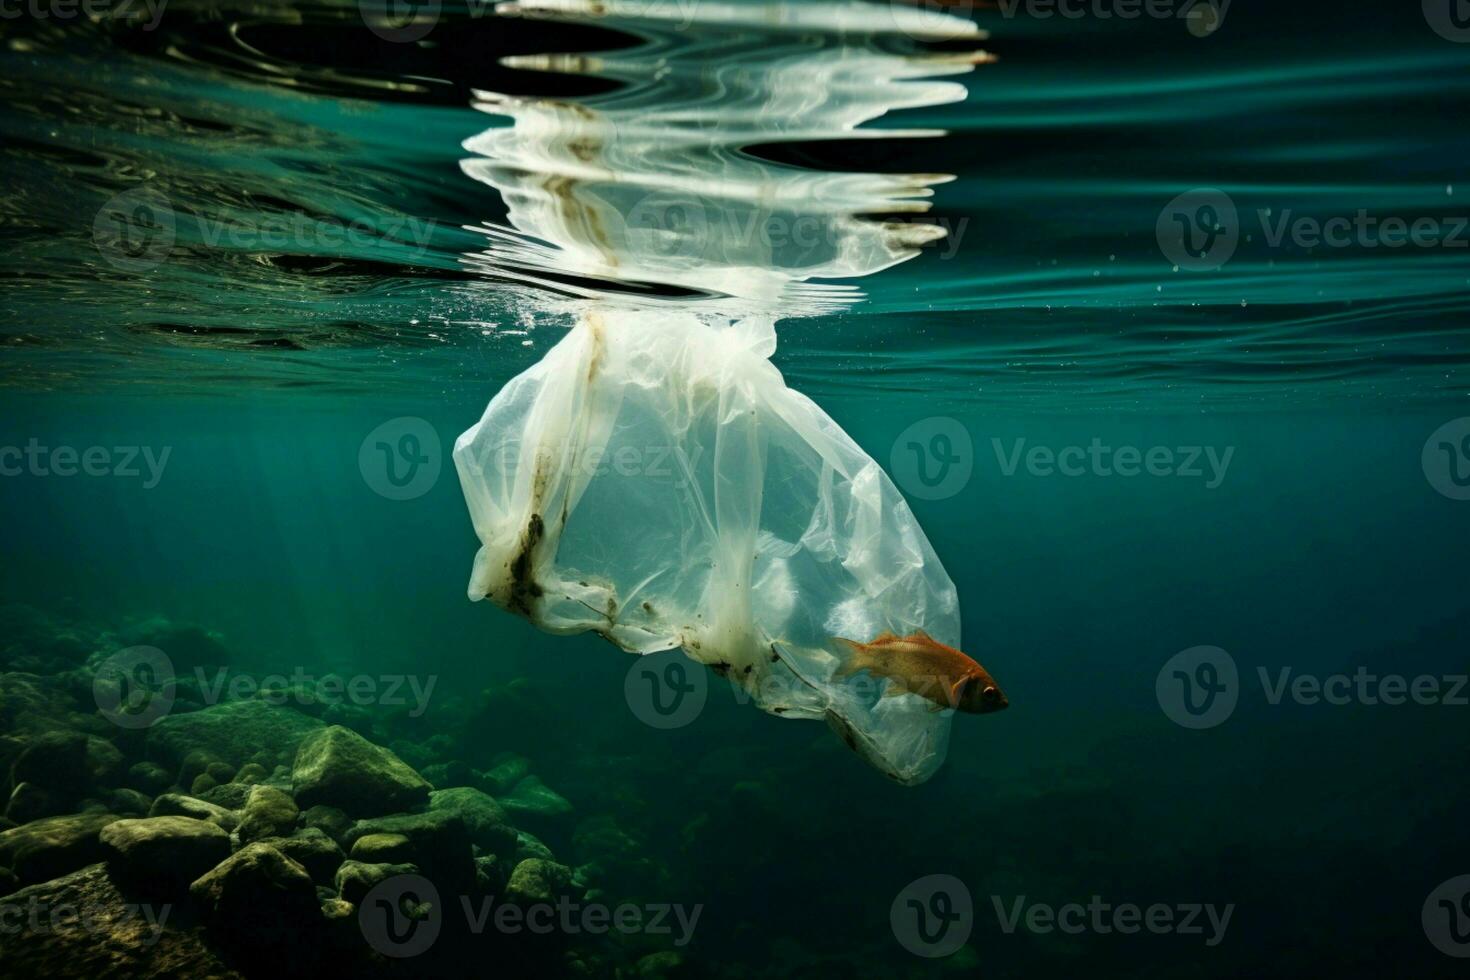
920,634
895,690
887,636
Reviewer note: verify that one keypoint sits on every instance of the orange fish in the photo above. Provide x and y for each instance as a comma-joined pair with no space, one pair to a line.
919,664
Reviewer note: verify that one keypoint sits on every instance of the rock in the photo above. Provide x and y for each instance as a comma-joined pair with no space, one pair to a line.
202,784
231,796
175,804
120,938
536,805
42,705
501,778
411,752
490,874
619,857
149,777
313,850
53,847
221,772
486,820
233,732
164,853
30,802
661,965
339,767
187,646
344,932
105,762
8,882
530,846
250,773
268,813
195,764
55,761
438,841
383,849
329,820
258,895
444,774
355,879
128,801
537,880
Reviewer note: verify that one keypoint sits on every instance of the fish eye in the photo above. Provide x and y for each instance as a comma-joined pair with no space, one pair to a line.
990,693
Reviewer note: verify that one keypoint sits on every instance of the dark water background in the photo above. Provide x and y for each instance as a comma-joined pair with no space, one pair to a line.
1326,546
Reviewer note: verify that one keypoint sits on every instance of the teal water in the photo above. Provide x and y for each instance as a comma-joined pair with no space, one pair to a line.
1330,541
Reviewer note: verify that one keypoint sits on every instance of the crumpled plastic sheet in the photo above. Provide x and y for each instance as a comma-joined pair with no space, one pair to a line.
654,480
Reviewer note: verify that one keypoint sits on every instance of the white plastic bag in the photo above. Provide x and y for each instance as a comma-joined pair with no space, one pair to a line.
654,479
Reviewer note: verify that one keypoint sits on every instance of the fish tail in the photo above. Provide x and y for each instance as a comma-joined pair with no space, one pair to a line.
857,659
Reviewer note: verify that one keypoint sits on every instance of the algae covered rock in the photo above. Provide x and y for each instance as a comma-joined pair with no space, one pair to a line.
338,767
88,928
535,804
329,820
383,849
234,732
313,850
486,820
53,847
356,878
438,843
164,850
55,761
257,891
537,880
176,804
268,813
30,802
